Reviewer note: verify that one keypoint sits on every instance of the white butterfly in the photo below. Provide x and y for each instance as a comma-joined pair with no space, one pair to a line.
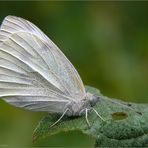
36,75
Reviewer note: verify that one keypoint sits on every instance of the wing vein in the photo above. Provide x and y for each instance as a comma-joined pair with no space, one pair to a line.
14,24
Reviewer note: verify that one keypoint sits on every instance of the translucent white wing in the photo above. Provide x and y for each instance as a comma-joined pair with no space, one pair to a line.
49,52
35,99
21,86
34,73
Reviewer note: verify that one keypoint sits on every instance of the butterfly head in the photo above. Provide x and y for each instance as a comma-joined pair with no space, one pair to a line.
92,99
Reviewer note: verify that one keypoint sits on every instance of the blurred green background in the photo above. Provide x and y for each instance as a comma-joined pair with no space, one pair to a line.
106,41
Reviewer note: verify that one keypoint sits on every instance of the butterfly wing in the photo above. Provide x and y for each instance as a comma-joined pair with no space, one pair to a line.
34,73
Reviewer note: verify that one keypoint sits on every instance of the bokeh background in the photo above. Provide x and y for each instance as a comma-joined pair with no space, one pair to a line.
106,41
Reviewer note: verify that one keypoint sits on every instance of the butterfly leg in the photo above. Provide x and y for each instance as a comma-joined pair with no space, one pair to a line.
60,117
86,116
98,114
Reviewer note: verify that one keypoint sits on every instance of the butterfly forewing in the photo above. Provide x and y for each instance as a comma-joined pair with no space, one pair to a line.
34,73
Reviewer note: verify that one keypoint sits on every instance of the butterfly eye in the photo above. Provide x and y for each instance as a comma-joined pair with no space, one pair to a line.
94,99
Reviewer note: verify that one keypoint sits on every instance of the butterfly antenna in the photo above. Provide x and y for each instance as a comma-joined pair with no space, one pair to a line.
86,116
128,107
125,106
98,115
59,118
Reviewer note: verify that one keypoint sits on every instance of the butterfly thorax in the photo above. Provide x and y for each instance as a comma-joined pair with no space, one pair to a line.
78,107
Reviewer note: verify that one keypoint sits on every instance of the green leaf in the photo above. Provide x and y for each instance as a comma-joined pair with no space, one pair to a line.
126,124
